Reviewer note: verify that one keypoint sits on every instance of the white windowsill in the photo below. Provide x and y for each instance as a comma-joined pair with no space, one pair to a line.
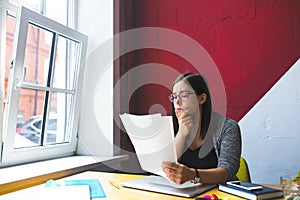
27,175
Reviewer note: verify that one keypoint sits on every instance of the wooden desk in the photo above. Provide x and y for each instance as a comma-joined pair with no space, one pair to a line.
123,193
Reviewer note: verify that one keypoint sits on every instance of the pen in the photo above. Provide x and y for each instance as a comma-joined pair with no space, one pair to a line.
113,183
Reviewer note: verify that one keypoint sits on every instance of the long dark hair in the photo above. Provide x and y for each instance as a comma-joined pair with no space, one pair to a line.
199,85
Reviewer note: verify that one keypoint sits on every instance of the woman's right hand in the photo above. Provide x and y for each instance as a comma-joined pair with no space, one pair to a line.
185,121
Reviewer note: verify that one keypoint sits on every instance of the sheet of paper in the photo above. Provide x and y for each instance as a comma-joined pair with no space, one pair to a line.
153,139
42,193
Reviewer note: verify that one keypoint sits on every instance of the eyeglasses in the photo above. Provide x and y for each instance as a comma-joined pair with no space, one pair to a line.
183,96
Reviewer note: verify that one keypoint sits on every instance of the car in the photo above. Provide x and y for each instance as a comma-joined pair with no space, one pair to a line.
32,129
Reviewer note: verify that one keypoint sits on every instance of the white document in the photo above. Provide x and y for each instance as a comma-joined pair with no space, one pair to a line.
153,139
78,192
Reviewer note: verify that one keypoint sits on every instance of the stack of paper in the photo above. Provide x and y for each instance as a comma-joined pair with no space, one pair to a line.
153,139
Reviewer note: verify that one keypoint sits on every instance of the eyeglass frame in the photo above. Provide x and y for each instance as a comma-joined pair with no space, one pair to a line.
172,97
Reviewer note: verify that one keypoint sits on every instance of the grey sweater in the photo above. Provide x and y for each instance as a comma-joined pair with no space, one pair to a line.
225,136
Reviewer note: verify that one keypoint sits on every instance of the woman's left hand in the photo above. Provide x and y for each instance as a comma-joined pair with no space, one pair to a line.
178,173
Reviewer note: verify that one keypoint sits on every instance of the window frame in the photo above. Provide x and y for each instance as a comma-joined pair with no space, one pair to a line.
10,155
5,7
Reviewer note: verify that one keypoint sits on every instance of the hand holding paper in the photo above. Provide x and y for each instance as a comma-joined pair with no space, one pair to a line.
153,139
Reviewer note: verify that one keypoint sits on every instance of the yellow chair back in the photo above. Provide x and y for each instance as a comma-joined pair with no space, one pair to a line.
243,173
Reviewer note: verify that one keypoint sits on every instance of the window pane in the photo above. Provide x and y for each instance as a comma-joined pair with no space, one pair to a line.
65,72
54,9
59,118
31,106
44,79
32,4
10,31
57,13
37,54
52,129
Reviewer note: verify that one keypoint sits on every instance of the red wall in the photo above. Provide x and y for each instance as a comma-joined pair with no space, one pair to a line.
253,43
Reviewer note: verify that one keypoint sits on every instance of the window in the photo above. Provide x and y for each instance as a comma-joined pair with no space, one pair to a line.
41,107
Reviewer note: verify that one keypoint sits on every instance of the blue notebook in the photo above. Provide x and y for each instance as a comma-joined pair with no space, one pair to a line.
96,189
264,193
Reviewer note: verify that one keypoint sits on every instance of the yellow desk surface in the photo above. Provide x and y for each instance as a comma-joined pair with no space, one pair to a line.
131,194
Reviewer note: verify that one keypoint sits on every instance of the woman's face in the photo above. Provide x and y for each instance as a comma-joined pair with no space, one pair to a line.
186,99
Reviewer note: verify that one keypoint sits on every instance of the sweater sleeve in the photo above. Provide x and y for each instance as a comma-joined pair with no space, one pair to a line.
230,148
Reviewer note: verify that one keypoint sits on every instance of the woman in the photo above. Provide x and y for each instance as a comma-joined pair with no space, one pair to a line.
208,145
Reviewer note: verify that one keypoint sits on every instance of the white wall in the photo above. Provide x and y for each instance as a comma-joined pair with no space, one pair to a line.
95,19
271,131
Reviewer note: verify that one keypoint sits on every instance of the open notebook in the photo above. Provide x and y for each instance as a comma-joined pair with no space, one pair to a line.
162,185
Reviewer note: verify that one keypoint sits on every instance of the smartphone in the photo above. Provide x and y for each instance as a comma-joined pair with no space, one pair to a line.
245,185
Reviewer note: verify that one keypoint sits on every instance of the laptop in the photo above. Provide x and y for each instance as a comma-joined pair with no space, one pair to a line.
162,185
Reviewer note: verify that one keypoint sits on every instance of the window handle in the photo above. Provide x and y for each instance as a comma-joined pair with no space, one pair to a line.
18,83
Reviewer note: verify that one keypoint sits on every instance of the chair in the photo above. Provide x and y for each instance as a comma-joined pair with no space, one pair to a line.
243,173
